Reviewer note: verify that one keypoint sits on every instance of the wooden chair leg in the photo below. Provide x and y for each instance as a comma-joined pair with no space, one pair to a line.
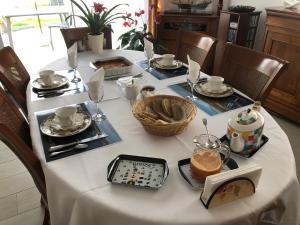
42,202
46,217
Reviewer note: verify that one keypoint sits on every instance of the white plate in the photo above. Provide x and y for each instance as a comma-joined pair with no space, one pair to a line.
201,89
51,128
157,64
58,81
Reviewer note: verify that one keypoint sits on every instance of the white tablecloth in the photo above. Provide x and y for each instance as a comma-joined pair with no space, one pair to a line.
78,192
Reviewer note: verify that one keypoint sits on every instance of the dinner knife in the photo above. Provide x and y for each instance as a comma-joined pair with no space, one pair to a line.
41,93
86,140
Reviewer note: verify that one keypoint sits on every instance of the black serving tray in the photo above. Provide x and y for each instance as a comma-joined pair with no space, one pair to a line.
184,169
264,140
138,171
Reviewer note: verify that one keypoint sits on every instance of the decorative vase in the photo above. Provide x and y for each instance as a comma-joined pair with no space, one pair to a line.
95,43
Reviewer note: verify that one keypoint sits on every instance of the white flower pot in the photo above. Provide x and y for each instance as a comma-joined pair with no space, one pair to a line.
95,43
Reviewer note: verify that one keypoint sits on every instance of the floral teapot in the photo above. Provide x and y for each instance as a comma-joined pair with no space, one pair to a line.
245,130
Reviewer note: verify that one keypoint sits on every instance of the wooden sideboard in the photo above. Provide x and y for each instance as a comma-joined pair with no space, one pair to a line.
283,40
170,23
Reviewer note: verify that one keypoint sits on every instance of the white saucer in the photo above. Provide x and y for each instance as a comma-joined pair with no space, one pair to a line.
156,63
223,88
58,81
225,91
51,126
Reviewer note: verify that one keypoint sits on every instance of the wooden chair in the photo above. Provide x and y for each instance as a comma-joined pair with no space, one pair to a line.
200,47
71,35
251,72
14,76
14,132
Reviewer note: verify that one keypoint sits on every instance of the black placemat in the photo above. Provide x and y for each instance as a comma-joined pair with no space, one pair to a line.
212,106
248,153
80,88
105,126
163,74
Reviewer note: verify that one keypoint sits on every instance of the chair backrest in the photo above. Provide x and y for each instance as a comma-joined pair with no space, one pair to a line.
72,35
13,75
14,132
200,47
251,72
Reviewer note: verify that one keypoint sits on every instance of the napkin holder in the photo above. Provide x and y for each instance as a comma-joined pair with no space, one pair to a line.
230,185
229,191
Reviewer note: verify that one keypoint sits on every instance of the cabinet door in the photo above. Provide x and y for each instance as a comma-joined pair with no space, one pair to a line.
287,88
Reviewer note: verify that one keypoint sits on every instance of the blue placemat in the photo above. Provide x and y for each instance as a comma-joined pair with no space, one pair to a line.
105,126
162,74
212,106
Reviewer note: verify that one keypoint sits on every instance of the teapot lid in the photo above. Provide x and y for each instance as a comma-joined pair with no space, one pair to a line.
207,141
247,117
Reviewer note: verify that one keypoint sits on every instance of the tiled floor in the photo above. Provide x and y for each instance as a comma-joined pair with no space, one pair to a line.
19,198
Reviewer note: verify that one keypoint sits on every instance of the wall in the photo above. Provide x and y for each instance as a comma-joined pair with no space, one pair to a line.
260,5
167,4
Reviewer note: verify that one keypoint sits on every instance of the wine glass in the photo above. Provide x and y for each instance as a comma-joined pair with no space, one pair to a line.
192,81
149,55
73,63
96,95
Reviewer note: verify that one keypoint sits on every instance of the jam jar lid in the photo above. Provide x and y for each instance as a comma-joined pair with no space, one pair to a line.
247,117
207,141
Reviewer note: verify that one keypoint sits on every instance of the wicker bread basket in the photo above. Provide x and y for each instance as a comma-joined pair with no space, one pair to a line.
164,129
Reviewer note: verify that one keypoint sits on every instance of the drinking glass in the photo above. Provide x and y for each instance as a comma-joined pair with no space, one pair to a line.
73,63
149,55
192,81
96,96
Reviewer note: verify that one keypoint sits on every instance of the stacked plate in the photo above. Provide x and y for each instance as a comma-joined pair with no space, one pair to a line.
51,127
59,81
157,64
224,91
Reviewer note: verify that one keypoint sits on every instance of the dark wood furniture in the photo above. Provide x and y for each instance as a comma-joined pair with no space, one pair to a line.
283,40
238,28
14,76
198,46
14,132
235,28
170,23
251,72
71,35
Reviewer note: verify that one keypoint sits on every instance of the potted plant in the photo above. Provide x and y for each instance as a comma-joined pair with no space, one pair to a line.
134,38
97,19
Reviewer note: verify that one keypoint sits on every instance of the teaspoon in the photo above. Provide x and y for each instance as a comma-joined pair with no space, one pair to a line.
76,147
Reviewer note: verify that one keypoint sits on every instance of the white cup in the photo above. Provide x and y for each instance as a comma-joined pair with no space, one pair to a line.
65,116
214,83
47,76
167,59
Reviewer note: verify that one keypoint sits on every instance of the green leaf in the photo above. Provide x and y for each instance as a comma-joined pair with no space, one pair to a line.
125,41
80,8
87,9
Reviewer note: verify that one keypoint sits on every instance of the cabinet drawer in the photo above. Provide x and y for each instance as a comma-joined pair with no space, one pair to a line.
285,23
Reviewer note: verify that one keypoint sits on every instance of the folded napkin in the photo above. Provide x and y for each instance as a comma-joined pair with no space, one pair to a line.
148,48
95,84
194,70
72,56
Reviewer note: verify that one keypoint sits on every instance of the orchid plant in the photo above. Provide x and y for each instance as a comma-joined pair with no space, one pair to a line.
134,38
98,17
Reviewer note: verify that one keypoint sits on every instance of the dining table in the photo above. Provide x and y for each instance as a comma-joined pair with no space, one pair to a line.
79,193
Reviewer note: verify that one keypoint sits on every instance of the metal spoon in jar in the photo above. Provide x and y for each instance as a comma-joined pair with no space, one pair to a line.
209,143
